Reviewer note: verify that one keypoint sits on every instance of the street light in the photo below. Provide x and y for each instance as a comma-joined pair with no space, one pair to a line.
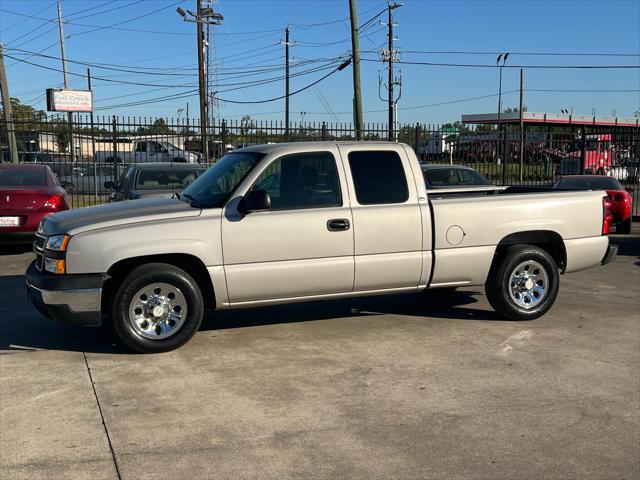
203,16
502,57
207,16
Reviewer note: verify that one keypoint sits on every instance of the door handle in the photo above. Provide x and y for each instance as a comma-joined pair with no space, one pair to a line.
338,225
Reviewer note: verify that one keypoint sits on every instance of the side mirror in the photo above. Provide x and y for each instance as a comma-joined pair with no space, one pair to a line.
255,201
109,184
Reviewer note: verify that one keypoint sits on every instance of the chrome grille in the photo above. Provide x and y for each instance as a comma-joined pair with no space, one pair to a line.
38,249
38,244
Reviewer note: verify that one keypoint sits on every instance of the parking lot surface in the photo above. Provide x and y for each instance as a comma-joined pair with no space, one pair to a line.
407,386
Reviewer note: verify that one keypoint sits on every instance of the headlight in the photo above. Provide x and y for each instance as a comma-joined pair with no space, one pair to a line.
55,265
57,243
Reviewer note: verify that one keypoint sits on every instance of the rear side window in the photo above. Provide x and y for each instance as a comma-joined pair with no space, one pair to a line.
159,179
11,177
378,177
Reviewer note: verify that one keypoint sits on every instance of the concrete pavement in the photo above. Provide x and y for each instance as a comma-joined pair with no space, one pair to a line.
385,387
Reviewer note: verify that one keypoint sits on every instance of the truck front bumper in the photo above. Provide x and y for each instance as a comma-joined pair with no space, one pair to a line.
71,299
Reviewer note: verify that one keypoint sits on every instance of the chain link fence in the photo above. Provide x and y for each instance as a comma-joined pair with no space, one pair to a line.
92,151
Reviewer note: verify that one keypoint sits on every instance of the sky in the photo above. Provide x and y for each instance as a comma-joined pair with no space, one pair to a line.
150,42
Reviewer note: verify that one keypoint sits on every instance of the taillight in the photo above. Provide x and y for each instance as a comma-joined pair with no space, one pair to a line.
607,217
619,197
54,203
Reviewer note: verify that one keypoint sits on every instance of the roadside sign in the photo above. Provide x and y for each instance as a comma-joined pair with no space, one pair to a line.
59,100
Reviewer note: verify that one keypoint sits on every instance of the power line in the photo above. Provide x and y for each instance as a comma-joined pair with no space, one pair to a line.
537,54
5,30
478,65
74,17
342,66
146,14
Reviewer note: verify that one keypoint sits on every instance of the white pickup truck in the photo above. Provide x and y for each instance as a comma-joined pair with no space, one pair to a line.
149,151
307,221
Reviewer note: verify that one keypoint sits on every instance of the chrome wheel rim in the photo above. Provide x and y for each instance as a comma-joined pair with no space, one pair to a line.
158,311
528,284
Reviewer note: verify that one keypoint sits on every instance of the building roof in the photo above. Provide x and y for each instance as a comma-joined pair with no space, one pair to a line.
537,118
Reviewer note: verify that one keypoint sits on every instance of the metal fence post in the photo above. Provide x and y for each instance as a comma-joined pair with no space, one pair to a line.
583,148
505,156
417,140
223,137
114,131
324,131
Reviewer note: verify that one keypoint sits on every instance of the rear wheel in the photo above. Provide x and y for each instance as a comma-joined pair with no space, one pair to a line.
624,227
523,283
157,308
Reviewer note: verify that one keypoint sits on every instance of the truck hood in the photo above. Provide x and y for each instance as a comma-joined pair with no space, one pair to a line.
84,219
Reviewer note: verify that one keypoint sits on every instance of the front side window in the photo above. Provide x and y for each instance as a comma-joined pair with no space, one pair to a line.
124,178
141,147
213,187
378,177
305,180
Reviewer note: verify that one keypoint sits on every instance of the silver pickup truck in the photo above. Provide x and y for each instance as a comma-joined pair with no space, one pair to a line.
296,222
149,151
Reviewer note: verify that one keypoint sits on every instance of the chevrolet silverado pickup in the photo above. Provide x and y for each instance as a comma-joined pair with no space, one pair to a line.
297,222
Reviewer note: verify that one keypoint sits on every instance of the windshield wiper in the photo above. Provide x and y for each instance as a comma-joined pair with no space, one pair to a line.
194,202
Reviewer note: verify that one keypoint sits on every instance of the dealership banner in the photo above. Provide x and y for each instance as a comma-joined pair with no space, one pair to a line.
59,100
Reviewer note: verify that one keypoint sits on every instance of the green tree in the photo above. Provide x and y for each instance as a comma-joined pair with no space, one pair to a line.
23,112
159,127
61,133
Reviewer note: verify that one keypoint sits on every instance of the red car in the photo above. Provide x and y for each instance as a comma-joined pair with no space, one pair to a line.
621,201
28,193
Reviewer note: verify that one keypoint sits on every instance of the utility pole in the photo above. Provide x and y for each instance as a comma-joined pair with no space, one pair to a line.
202,16
202,83
390,56
503,57
66,80
286,87
355,52
6,107
390,89
93,142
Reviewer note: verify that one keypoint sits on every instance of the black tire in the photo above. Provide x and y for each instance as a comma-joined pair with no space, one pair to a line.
141,277
498,283
624,227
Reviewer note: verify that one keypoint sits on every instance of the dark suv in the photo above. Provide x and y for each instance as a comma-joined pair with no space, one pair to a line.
153,180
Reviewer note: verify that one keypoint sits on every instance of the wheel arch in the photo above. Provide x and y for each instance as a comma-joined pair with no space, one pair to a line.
189,263
548,240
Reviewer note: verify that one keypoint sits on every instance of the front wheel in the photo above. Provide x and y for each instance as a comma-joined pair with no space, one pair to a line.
523,283
158,308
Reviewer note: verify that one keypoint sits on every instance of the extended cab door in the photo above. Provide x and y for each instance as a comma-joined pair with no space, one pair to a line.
301,246
387,219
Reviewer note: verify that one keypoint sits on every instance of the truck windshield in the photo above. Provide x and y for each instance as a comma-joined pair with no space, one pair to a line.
214,187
